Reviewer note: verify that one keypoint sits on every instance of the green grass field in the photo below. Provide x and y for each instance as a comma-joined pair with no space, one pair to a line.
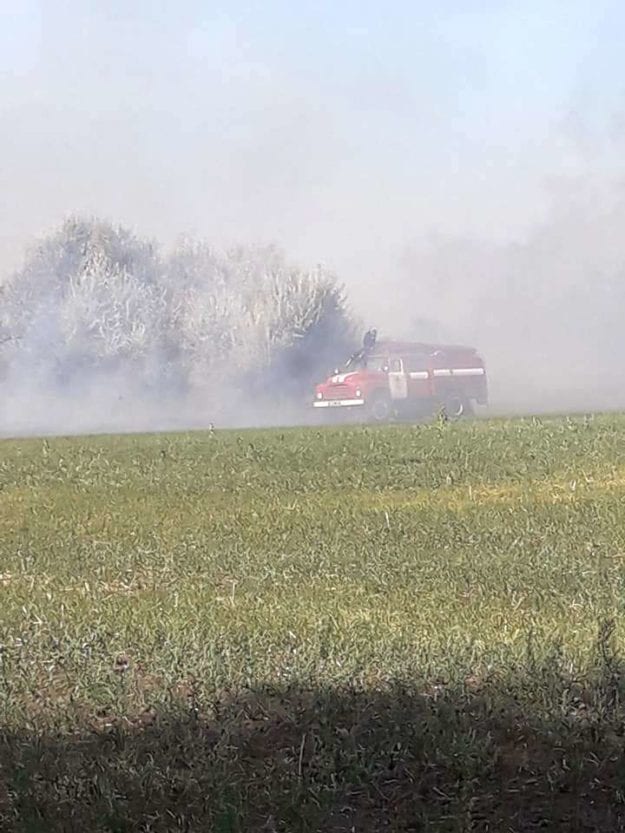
406,628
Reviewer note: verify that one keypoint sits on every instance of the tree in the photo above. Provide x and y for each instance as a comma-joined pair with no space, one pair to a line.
87,296
248,316
93,298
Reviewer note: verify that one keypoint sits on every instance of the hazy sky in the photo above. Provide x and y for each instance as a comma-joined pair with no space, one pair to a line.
342,130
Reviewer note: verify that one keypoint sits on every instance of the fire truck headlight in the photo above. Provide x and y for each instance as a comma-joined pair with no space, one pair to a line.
319,395
358,393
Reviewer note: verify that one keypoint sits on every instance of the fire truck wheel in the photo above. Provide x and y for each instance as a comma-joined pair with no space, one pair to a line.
456,406
380,408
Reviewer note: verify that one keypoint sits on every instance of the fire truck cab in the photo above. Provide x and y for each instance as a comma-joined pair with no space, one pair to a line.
396,379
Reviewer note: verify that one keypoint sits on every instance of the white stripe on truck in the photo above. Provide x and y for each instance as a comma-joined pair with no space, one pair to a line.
468,371
460,371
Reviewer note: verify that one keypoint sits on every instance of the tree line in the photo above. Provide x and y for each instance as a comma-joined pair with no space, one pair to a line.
93,297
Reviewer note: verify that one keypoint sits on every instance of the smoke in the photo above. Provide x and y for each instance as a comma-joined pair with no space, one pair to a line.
105,331
109,402
457,166
545,311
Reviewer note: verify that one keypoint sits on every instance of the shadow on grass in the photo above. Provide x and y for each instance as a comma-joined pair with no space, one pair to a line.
481,756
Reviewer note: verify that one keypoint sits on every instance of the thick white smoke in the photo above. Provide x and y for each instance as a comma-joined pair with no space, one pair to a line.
101,331
545,311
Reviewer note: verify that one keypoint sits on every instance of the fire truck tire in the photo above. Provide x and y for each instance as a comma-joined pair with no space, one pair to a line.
457,406
380,408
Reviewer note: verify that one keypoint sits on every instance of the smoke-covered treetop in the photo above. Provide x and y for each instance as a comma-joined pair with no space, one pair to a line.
95,298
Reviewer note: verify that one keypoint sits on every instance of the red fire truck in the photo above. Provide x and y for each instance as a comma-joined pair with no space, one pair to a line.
398,379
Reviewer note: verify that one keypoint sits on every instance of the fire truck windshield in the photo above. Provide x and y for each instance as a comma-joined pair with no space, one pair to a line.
377,363
373,363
